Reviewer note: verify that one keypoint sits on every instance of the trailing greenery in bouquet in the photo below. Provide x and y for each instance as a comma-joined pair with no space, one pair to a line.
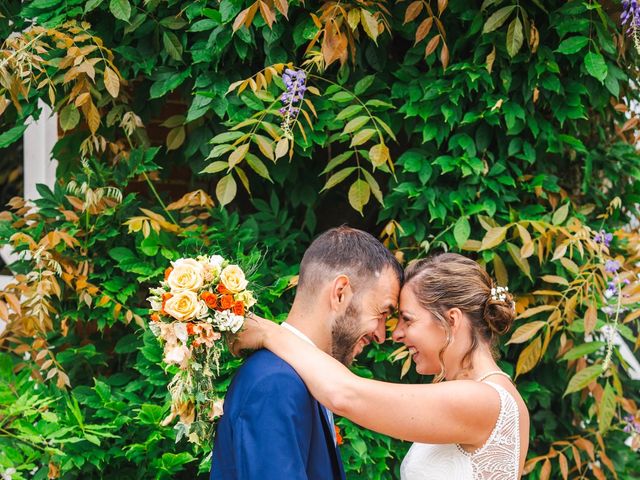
199,303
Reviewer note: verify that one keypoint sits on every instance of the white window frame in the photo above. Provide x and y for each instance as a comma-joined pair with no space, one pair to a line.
38,165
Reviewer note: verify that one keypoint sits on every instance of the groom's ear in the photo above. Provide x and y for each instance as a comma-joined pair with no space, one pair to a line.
341,293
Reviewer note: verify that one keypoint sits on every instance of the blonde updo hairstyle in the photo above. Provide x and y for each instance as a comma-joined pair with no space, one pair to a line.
449,280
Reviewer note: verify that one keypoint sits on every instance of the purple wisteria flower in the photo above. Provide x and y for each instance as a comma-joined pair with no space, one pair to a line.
632,425
612,266
603,237
295,82
631,17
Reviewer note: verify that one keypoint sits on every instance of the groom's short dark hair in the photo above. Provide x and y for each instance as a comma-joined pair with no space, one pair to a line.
347,250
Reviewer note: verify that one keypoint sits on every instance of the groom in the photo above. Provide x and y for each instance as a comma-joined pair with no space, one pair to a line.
272,428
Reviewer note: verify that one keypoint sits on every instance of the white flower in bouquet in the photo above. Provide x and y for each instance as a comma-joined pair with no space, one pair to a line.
227,321
182,306
186,274
232,277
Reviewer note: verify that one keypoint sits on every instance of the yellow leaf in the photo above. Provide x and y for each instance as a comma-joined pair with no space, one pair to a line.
282,147
525,332
535,310
494,237
265,146
529,357
522,263
237,155
370,25
555,279
226,189
379,154
111,82
362,136
93,117
354,18
359,195
590,318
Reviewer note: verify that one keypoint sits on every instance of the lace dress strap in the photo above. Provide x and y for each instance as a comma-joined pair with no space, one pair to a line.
499,457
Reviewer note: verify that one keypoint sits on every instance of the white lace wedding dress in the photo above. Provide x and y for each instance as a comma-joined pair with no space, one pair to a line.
497,459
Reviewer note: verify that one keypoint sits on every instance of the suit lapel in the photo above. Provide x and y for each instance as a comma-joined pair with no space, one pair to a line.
336,466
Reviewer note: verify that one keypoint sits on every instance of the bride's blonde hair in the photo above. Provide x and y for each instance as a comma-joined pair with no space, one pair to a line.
449,280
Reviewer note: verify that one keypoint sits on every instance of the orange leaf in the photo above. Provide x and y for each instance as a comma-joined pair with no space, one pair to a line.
431,46
413,10
423,29
267,14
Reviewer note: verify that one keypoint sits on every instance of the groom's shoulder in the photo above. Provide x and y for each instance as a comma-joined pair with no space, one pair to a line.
264,363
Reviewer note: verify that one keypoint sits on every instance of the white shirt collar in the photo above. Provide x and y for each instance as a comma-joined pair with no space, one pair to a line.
297,332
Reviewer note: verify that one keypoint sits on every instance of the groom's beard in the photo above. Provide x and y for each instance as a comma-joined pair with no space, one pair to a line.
345,334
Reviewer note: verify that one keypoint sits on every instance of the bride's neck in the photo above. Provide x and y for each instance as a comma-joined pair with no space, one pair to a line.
481,362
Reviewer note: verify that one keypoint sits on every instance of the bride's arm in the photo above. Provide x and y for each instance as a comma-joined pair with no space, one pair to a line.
450,412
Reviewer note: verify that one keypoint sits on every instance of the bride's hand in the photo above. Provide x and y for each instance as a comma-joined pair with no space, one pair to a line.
252,335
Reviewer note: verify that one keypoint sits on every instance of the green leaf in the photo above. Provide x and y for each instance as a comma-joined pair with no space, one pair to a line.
606,409
172,44
215,167
595,65
572,45
583,378
258,166
226,189
350,111
522,263
462,231
10,136
359,194
121,9
363,84
91,5
496,20
226,137
583,350
515,37
355,124
337,177
375,188
337,160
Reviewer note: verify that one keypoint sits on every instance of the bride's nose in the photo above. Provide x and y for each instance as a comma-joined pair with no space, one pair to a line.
398,333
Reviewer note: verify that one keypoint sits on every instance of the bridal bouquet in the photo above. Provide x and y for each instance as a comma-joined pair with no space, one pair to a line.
199,302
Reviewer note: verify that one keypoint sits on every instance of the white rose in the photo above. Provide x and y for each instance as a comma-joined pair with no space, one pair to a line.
203,310
183,306
232,277
187,274
246,297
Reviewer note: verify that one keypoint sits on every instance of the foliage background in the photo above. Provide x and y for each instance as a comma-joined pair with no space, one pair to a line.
503,131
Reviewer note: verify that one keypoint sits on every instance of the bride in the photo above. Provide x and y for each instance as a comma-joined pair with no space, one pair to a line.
471,422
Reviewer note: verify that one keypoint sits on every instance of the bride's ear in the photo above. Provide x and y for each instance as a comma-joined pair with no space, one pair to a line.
455,317
341,293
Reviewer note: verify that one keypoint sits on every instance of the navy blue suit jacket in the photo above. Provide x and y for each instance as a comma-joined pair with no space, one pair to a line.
272,428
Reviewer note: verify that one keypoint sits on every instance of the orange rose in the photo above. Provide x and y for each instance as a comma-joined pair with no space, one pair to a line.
238,308
222,289
155,317
189,328
167,272
226,302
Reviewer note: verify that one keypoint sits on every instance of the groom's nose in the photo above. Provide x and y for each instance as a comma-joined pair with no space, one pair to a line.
379,334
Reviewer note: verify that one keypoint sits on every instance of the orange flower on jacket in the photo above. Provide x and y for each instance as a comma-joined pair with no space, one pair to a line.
339,439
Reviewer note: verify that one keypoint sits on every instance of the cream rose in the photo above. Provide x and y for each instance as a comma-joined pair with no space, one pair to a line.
246,297
183,306
187,274
232,277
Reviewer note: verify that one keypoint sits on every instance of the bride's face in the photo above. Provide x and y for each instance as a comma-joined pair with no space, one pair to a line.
420,332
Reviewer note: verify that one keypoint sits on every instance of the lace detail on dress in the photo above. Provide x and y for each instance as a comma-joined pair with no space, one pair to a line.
499,457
